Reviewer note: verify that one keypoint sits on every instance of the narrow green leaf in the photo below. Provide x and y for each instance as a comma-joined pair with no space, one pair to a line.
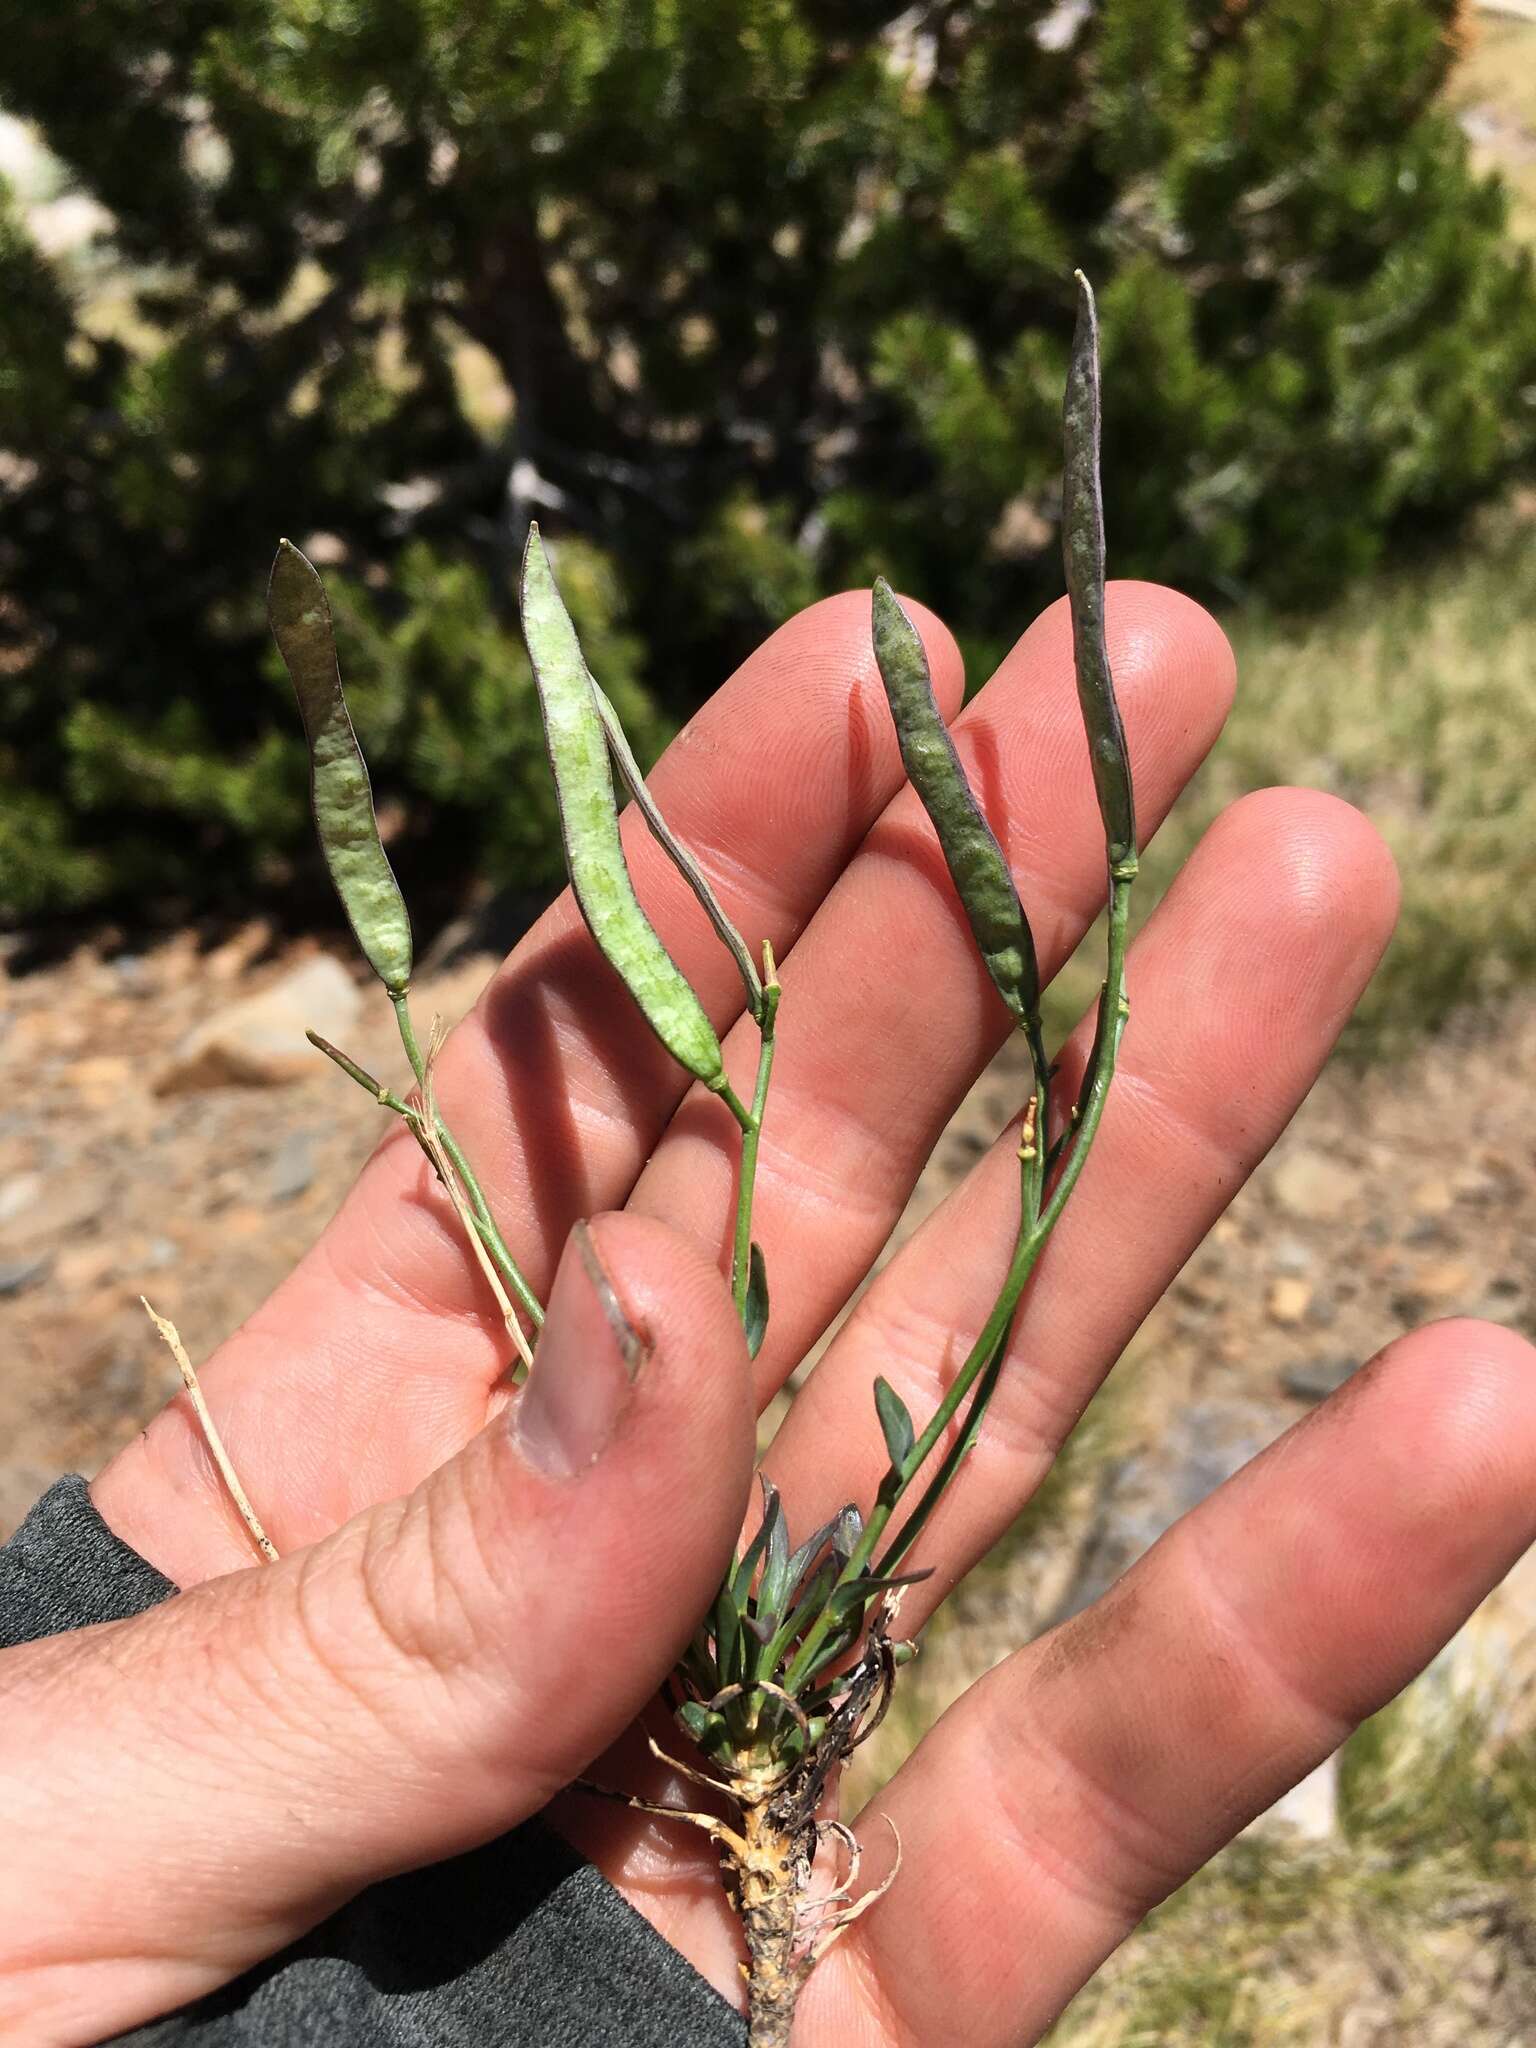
698,1662
1082,547
975,860
857,1593
837,1644
774,1584
755,1313
727,1638
803,1603
741,1578
789,1739
676,852
340,793
959,1449
895,1423
812,1596
808,1552
589,822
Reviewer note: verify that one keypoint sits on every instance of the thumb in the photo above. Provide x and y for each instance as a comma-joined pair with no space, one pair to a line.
188,1791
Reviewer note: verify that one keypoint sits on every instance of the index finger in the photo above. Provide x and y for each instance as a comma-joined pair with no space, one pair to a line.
557,1092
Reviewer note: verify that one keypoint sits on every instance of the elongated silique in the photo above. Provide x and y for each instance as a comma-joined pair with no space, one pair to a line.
1082,547
976,862
589,824
339,787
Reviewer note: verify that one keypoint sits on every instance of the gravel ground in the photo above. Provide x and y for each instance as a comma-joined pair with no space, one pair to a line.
1392,1199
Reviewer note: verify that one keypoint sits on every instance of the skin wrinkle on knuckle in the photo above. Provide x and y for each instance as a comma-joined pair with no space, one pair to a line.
1151,1108
835,1175
434,1625
745,887
367,1683
411,1579
1080,1872
1035,1413
606,1128
917,1350
1025,1425
379,1275
1319,1726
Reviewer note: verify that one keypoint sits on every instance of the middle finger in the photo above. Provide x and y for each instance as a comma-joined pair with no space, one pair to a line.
888,1015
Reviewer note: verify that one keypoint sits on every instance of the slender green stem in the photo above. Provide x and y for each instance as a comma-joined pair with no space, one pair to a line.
986,1353
408,1038
490,1236
385,1097
485,1223
896,1481
1032,1150
952,1460
1113,1011
752,1131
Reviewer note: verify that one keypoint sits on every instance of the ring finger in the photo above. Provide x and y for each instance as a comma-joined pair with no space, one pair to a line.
1237,995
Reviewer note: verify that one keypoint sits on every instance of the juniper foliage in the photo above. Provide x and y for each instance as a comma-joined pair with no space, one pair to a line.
749,298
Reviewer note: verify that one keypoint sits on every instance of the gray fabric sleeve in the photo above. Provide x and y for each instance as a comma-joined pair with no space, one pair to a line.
517,1943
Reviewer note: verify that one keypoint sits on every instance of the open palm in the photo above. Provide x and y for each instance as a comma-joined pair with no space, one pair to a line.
1094,1770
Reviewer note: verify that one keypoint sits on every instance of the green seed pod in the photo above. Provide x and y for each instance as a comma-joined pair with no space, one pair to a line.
338,780
676,852
589,823
1082,547
971,852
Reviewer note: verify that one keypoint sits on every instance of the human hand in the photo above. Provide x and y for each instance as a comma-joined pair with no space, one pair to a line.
422,1674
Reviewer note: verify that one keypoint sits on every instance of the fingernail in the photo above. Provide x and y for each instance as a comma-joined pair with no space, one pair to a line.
586,1363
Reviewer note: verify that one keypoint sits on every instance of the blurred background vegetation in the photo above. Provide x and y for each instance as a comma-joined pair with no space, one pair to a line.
745,300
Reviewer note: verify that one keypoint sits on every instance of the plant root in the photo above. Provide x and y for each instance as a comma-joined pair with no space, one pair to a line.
769,1848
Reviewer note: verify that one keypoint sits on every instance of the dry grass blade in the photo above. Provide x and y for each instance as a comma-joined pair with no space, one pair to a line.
215,1442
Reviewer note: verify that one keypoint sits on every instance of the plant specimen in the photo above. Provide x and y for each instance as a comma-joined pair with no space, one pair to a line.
794,1663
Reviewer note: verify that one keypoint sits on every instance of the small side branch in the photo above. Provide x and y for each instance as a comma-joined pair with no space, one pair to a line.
453,1170
429,1133
485,1231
